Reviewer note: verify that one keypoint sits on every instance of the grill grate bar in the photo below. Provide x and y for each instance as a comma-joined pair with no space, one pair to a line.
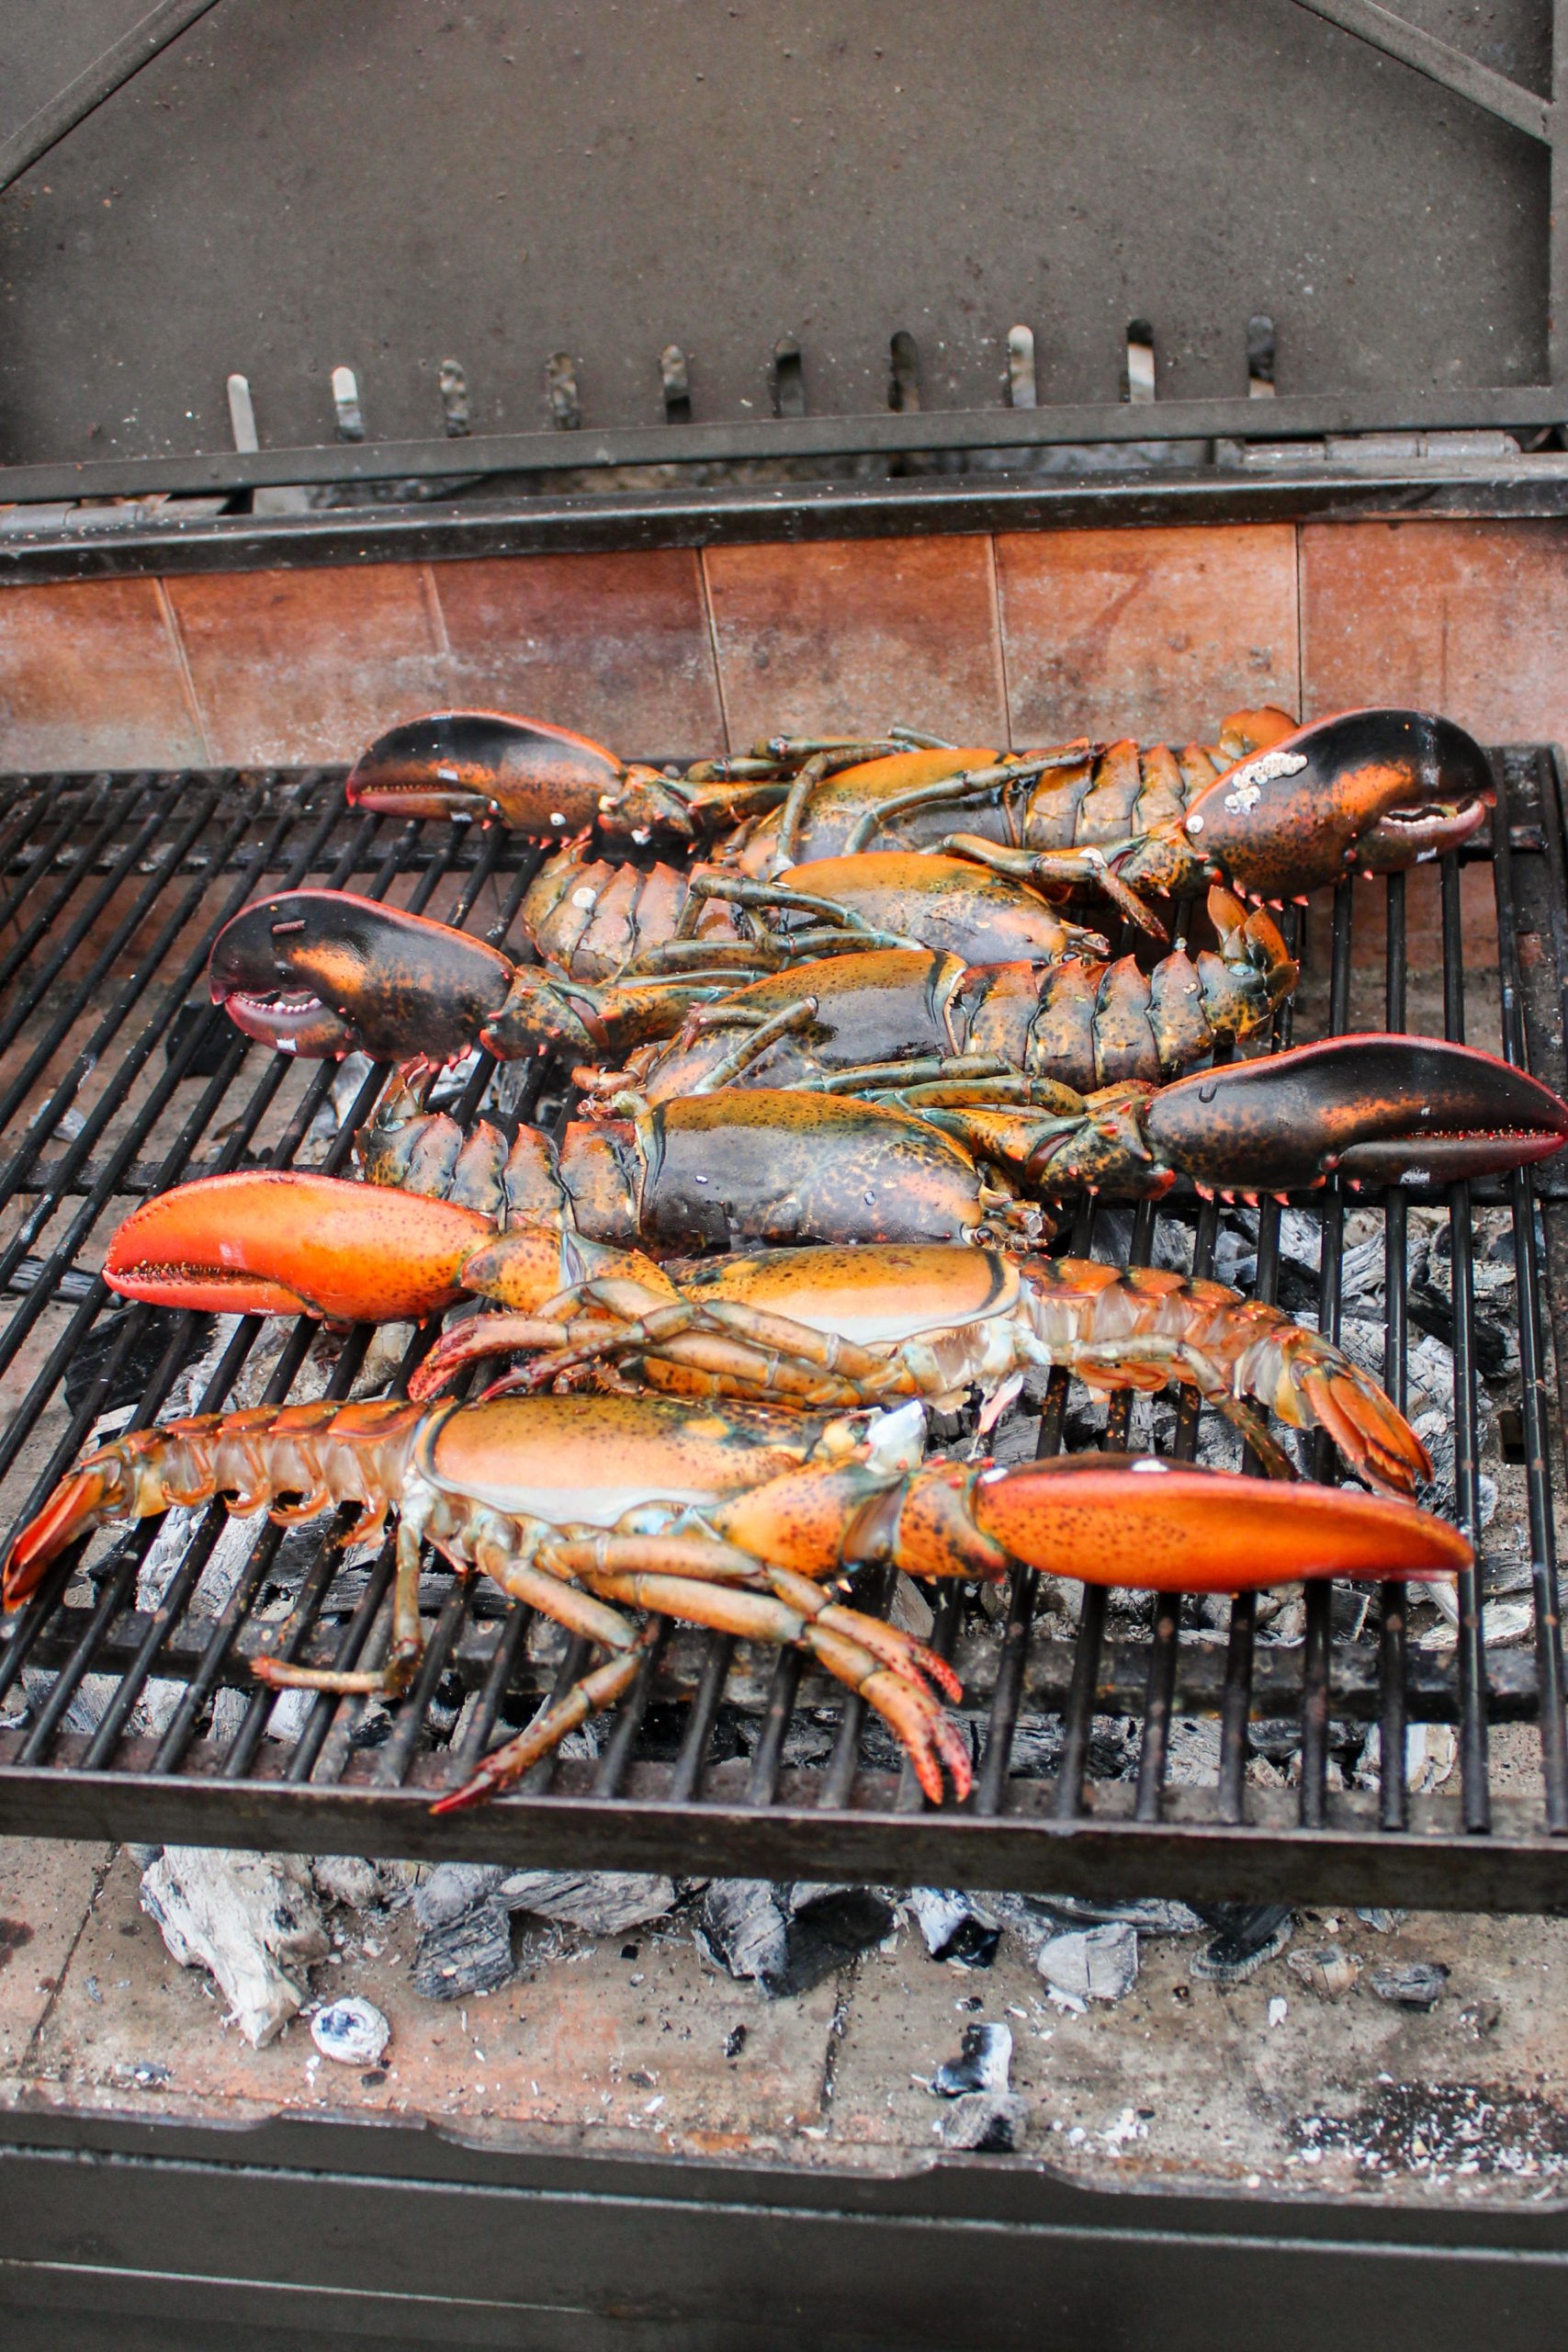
1476,1793
1532,1403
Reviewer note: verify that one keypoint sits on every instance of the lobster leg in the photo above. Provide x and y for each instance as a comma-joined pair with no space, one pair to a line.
1074,869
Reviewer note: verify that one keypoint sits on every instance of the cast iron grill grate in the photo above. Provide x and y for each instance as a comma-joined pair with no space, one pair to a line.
126,1704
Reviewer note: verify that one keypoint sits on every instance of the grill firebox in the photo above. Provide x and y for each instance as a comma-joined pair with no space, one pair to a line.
126,1703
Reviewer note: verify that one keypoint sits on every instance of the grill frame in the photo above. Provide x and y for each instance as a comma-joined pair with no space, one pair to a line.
754,1817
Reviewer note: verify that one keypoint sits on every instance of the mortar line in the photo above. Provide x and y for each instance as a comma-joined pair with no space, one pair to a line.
1301,625
1000,634
176,639
706,588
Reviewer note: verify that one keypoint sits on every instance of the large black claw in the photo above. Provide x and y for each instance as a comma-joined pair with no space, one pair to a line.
1381,1110
1368,790
321,972
537,779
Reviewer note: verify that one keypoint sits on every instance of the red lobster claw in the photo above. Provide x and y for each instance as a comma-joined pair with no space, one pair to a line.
1381,1110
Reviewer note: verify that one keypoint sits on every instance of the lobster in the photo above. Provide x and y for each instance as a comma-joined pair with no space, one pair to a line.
827,1329
547,781
775,1168
895,1016
321,972
587,1507
1273,812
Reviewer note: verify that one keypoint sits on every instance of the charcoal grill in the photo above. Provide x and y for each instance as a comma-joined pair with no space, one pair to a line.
120,1088
736,282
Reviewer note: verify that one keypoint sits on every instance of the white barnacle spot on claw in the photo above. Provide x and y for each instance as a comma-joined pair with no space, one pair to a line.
869,1198
449,775
555,817
583,898
641,835
702,1180
1244,796
1194,823
1147,1464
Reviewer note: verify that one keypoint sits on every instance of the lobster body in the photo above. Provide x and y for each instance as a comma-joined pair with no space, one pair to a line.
1085,1022
1076,795
586,1508
833,1327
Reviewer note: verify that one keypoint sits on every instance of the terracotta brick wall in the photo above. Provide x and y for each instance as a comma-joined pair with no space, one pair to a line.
1024,637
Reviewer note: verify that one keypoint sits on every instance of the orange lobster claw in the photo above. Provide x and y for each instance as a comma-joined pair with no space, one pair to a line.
287,1241
539,778
1169,1527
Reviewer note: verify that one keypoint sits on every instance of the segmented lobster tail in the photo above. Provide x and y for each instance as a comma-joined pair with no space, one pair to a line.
325,1454
1317,1386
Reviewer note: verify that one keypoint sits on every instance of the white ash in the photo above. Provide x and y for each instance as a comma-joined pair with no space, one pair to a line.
1091,1963
1430,1754
341,1096
350,1882
1326,1970
984,2123
1411,1983
242,1917
351,2031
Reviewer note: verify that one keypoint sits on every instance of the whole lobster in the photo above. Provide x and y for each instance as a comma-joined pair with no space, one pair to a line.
585,1507
319,972
1271,812
824,1330
544,780
407,989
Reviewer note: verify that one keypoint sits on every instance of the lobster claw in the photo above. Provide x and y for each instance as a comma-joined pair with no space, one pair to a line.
1171,1527
534,777
288,1241
1378,790
1381,1110
319,972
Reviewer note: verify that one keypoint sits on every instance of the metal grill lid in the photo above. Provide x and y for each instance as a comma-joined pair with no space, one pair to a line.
710,231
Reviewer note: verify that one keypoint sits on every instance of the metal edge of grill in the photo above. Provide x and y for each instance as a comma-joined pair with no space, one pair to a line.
96,869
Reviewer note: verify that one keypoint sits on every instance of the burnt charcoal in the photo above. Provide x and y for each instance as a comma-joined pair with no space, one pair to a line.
784,1941
735,2041
984,2123
1382,1922
145,1353
984,2062
1496,1350
1481,2017
602,1902
1249,1934
955,1925
464,1940
1091,1963
210,1028
1411,1983
1277,1736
